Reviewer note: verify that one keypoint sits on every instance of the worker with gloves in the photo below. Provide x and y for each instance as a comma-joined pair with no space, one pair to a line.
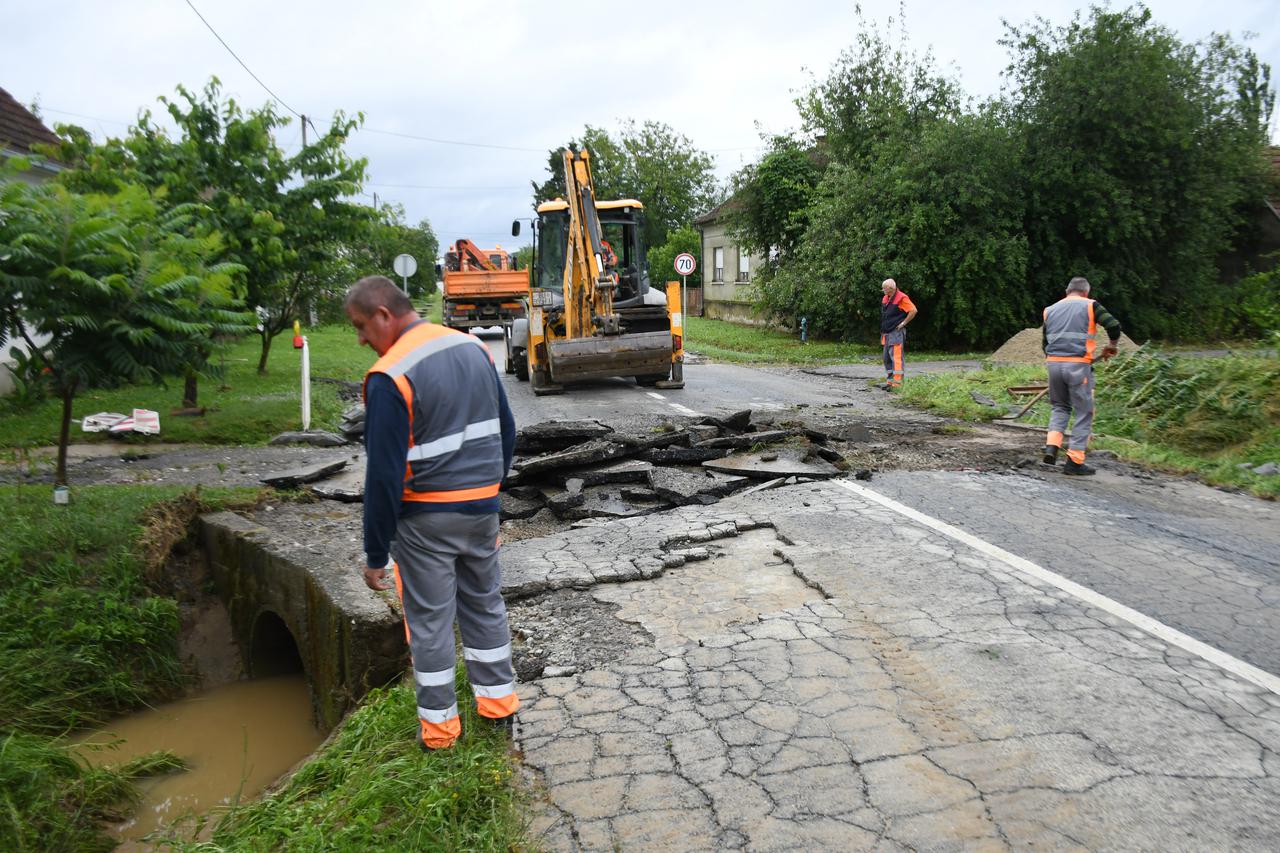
1070,336
439,438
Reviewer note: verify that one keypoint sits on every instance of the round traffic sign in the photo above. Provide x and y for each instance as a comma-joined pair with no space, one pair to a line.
404,265
685,264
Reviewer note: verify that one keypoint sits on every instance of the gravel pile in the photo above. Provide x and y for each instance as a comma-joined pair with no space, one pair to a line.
1024,347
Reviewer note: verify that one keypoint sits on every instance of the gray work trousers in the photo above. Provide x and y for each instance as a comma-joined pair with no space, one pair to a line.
1071,391
895,355
447,569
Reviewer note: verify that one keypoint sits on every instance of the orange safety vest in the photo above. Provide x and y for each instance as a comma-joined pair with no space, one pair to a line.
449,386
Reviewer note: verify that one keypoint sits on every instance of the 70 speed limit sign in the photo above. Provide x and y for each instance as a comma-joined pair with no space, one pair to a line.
685,264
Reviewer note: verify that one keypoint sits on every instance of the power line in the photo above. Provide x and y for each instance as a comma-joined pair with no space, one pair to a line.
43,108
277,98
442,187
452,141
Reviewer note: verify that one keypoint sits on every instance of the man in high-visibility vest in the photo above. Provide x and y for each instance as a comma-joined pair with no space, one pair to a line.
896,311
439,437
1070,337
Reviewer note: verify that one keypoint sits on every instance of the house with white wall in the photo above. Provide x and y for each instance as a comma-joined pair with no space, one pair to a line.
727,270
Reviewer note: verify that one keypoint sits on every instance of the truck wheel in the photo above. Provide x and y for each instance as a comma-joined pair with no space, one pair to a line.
521,364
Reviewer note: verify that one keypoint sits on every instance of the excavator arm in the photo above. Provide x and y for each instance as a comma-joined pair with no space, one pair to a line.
588,286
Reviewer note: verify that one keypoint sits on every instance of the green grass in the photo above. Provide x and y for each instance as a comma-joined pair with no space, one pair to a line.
721,340
241,406
1185,415
84,636
371,788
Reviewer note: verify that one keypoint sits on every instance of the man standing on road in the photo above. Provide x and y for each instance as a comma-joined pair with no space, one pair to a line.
439,437
896,311
1070,335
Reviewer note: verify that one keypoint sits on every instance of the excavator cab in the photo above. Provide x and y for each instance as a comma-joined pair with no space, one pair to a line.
591,312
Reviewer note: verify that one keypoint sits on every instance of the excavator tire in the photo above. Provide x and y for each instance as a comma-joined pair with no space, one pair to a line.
520,360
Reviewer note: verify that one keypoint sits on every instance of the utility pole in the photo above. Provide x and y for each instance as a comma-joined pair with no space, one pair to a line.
375,202
304,131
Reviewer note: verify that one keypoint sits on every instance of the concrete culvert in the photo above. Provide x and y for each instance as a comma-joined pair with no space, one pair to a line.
273,651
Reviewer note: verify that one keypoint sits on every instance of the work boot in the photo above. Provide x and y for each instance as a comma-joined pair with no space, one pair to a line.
1050,455
1078,469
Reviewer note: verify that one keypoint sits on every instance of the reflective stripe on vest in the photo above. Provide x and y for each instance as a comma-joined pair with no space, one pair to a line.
1070,330
455,449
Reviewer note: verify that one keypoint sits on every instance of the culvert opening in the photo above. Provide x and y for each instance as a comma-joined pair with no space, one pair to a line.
274,651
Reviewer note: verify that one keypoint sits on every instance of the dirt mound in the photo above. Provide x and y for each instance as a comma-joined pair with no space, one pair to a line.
1024,347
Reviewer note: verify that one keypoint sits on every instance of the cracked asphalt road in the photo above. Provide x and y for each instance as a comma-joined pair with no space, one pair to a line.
932,698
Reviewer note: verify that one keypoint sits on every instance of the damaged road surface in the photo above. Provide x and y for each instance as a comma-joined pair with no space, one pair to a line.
893,688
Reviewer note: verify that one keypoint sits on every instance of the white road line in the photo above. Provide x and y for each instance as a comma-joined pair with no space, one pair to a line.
684,410
1172,636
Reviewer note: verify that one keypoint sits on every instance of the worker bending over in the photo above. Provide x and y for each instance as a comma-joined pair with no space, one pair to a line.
896,311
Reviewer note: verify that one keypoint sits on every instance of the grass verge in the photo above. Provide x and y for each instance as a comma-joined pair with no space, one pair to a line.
371,788
721,340
84,636
1185,415
241,407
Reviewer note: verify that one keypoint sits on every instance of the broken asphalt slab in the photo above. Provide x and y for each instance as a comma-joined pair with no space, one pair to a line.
304,474
766,465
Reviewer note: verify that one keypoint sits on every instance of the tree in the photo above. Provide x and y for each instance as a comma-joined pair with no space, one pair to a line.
103,289
662,259
282,217
385,236
768,212
1142,154
650,162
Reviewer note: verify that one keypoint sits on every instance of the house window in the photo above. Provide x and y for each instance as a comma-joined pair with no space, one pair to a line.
744,267
718,266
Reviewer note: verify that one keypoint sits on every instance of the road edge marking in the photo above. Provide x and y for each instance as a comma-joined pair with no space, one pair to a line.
1172,636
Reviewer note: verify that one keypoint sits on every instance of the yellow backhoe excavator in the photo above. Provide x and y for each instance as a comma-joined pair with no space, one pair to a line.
591,312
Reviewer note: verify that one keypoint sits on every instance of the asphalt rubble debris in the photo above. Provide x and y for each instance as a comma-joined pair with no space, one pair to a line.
584,471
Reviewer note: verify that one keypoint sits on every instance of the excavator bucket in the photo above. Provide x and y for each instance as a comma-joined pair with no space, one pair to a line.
636,354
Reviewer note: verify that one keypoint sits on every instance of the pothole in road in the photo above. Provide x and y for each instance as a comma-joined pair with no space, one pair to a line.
572,630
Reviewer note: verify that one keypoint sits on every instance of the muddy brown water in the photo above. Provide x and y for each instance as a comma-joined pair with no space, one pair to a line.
236,740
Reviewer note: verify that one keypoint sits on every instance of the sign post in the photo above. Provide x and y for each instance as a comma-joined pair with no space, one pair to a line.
685,265
405,266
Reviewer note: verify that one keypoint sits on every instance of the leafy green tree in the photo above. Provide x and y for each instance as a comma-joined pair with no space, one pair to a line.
943,217
769,210
651,162
1142,154
386,236
282,217
662,259
104,289
523,257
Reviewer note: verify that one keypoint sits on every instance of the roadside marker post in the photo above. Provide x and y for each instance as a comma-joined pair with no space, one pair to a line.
300,342
685,264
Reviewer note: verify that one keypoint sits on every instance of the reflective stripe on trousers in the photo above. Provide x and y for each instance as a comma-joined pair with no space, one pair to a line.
1071,393
447,570
895,356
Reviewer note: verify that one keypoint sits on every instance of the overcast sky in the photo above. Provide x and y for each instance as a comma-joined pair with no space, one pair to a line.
525,76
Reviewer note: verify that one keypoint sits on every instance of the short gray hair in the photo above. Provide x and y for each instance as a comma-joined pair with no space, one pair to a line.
1079,284
375,291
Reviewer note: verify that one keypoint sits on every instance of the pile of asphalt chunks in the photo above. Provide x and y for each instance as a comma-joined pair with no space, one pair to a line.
585,471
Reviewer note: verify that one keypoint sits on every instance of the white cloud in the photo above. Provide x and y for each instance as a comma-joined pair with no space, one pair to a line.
526,75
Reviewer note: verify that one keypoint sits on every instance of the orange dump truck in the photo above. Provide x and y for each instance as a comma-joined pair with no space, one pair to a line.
481,287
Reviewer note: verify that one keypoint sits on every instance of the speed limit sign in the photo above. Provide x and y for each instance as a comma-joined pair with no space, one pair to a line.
685,264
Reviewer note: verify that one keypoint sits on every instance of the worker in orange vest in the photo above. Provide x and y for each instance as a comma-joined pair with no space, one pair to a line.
896,311
1069,340
439,438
